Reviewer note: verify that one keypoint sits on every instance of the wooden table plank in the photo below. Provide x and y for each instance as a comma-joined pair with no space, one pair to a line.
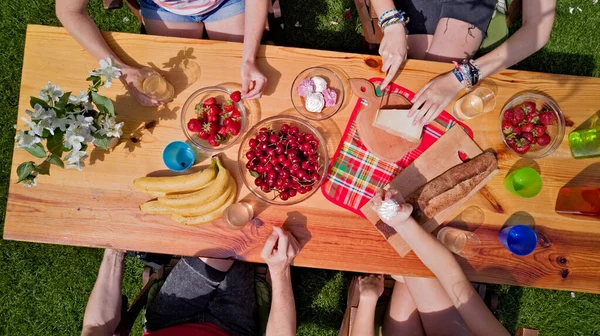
99,207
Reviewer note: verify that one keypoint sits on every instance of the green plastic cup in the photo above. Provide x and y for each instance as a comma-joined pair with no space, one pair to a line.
525,182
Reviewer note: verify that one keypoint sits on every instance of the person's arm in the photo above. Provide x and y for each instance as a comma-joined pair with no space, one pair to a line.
371,288
538,18
393,48
279,252
103,310
76,20
444,266
255,18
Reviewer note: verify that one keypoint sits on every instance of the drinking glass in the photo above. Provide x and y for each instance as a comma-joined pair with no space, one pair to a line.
481,100
237,215
464,243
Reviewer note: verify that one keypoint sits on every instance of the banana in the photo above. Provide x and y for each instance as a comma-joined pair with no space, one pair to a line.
207,207
153,207
172,184
216,188
208,218
156,193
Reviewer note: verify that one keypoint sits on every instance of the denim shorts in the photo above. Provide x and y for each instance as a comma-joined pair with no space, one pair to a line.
228,8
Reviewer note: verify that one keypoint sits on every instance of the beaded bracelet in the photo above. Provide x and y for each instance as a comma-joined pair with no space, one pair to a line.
467,73
391,15
393,10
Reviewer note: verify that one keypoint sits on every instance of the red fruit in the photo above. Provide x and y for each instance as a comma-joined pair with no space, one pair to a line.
212,140
252,143
507,128
532,117
528,127
511,141
543,140
519,115
235,113
539,130
212,118
227,121
222,131
547,118
194,125
284,196
234,127
509,115
517,130
211,128
210,101
202,134
236,96
528,136
521,146
228,106
214,110
528,107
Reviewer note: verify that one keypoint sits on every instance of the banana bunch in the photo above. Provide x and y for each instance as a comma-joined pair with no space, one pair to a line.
192,199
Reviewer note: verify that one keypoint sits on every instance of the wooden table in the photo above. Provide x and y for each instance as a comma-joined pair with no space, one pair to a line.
99,206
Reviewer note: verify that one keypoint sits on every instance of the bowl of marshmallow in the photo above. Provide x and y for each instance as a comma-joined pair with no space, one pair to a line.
317,93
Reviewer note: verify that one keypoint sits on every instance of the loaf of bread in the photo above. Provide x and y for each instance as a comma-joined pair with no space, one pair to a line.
450,187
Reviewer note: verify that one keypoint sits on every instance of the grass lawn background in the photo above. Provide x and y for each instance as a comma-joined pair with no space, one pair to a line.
44,288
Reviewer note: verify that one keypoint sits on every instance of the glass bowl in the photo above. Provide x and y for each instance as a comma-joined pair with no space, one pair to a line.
333,82
189,111
556,130
275,123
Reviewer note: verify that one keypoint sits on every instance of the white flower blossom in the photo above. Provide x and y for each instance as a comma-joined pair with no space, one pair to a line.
75,159
30,182
35,128
73,140
26,139
60,123
108,70
51,92
82,97
88,106
38,112
111,129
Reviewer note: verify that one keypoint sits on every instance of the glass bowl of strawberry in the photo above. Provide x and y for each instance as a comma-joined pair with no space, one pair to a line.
283,160
532,125
213,118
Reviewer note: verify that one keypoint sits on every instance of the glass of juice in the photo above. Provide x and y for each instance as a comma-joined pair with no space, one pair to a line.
481,100
237,215
464,243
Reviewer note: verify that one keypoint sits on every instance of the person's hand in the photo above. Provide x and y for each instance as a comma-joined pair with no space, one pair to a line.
404,211
433,98
280,250
393,50
253,81
371,287
132,78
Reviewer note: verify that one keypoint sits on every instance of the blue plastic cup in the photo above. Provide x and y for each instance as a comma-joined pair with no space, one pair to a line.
520,239
178,156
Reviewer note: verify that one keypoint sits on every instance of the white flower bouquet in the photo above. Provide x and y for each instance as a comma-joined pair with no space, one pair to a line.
68,123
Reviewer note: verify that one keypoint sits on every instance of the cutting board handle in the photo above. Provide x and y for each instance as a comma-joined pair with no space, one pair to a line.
363,89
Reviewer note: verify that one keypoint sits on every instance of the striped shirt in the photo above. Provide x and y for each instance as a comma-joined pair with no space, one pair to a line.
188,7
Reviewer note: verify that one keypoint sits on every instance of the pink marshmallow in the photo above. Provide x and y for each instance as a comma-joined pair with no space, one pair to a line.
306,87
330,97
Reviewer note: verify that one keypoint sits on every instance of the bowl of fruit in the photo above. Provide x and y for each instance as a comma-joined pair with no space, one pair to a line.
532,125
213,118
317,93
283,160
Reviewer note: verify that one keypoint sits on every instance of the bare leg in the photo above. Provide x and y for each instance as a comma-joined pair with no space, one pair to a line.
438,314
402,317
174,29
454,40
230,29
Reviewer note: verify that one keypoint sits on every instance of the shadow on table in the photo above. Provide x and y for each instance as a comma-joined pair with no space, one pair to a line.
296,224
518,218
470,219
523,163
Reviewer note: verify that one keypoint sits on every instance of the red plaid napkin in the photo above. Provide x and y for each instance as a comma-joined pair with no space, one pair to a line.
355,174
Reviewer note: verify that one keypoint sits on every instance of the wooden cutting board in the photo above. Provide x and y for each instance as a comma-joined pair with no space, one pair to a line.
380,143
449,151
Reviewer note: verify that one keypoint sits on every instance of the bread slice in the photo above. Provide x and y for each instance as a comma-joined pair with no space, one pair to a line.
398,123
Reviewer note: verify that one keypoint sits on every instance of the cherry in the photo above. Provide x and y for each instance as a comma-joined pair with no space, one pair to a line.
292,192
285,128
265,188
284,196
250,155
259,182
253,143
273,139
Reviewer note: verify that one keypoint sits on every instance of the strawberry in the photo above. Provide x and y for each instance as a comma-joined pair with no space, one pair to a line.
543,140
521,146
519,115
202,134
214,110
507,127
212,118
212,140
527,127
532,117
234,127
227,121
517,130
528,107
508,115
222,131
528,136
236,96
210,101
236,114
210,128
511,141
194,125
547,118
228,106
539,130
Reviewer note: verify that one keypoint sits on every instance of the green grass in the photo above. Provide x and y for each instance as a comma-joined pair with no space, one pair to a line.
44,288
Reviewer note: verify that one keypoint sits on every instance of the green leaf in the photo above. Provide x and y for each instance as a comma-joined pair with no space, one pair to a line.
43,168
104,104
102,141
25,169
93,79
55,143
254,174
56,160
64,100
35,100
37,150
